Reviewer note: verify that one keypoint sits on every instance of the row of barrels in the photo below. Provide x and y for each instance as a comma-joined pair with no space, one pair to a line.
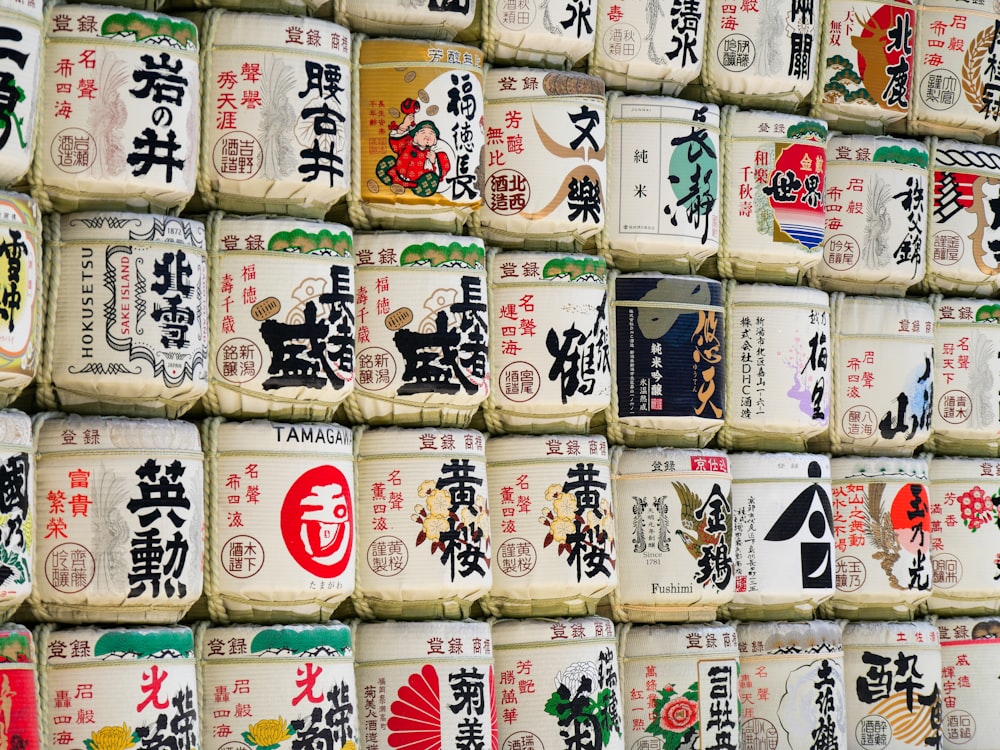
115,520
577,682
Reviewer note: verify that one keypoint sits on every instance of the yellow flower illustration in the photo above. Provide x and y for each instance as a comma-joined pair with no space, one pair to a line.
439,503
349,745
434,525
560,527
565,505
267,734
111,738
552,492
426,488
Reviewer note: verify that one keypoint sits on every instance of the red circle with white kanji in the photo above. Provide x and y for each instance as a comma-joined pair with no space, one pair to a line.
317,522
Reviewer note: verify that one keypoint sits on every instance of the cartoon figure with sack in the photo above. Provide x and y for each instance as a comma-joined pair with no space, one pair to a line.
418,165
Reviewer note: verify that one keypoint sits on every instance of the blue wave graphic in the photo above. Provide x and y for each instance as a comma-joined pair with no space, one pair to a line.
807,235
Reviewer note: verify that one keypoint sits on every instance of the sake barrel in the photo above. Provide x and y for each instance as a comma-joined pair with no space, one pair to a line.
876,216
282,341
960,259
291,681
420,131
772,196
965,536
893,672
783,542
423,523
280,519
881,521
425,684
119,121
970,661
127,314
21,308
663,180
662,326
571,685
882,375
792,685
19,69
648,51
966,370
544,170
17,510
554,532
277,114
865,77
955,83
556,376
675,522
778,350
120,526
118,688
761,54
433,19
423,329
18,681
532,32
679,684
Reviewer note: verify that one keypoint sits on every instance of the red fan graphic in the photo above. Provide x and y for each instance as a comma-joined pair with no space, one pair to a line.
415,717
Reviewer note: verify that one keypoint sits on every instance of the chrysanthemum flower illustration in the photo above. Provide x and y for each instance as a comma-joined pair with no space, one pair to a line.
267,734
111,738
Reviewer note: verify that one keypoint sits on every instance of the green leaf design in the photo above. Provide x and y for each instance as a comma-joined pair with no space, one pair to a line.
144,26
557,706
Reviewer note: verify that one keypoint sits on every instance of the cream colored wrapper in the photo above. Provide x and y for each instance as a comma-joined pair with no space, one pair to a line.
552,490
533,32
281,520
970,661
427,19
22,311
281,317
17,509
120,524
20,68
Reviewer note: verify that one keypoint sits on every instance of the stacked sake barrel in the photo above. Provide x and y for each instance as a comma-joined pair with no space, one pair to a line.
492,305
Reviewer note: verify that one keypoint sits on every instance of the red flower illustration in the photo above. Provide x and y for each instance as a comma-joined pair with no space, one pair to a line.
678,714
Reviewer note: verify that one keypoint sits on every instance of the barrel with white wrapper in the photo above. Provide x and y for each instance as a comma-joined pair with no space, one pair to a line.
277,110
894,685
966,181
19,678
883,350
556,377
778,379
650,51
545,173
865,77
761,54
19,68
417,136
139,686
876,216
662,325
293,681
554,531
966,373
281,317
281,520
535,32
970,662
680,685
427,19
955,79
570,670
882,524
423,329
425,684
792,685
122,520
127,314
317,8
424,549
21,307
966,536
17,510
664,166
675,528
783,540
772,196
126,135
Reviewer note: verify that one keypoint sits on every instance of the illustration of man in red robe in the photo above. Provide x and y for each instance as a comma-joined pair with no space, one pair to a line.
417,165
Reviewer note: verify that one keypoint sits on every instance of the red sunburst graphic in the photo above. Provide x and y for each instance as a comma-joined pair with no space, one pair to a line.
415,716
